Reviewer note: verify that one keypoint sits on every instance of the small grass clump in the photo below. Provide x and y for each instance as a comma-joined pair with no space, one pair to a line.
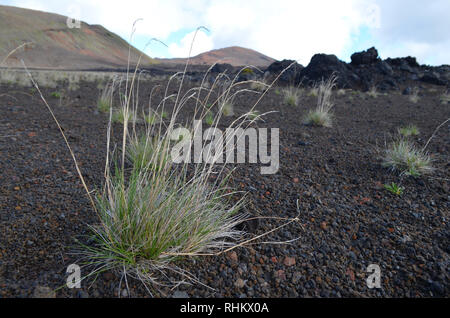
151,119
372,92
103,105
341,92
119,115
414,97
291,95
314,91
404,157
209,119
225,101
394,188
318,118
260,86
254,115
410,130
56,94
247,71
227,109
321,115
104,102
445,98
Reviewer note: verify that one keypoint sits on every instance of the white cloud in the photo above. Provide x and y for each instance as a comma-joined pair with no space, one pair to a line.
286,29
281,29
202,43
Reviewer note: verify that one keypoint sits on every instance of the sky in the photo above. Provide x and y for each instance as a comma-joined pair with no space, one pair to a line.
282,29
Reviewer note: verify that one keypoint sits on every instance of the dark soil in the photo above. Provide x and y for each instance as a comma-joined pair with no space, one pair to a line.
347,219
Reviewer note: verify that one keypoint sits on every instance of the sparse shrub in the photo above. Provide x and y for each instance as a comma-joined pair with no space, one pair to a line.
408,131
321,115
291,95
394,188
404,157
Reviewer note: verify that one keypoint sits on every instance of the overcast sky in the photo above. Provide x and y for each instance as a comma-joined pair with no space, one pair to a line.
291,29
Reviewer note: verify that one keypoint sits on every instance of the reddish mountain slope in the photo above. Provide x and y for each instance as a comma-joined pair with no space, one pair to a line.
55,45
234,55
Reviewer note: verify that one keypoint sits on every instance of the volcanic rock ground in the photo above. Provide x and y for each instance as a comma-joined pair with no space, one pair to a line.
347,220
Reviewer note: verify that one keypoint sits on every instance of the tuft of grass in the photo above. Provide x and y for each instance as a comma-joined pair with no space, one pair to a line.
122,113
445,98
56,94
155,212
254,114
150,218
227,109
209,119
260,86
372,92
341,92
153,218
404,157
247,70
318,118
410,130
225,101
147,152
104,102
314,91
394,188
414,97
291,95
151,119
321,115
103,105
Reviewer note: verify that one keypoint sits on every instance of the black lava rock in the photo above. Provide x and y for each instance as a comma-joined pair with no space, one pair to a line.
365,57
322,66
290,76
